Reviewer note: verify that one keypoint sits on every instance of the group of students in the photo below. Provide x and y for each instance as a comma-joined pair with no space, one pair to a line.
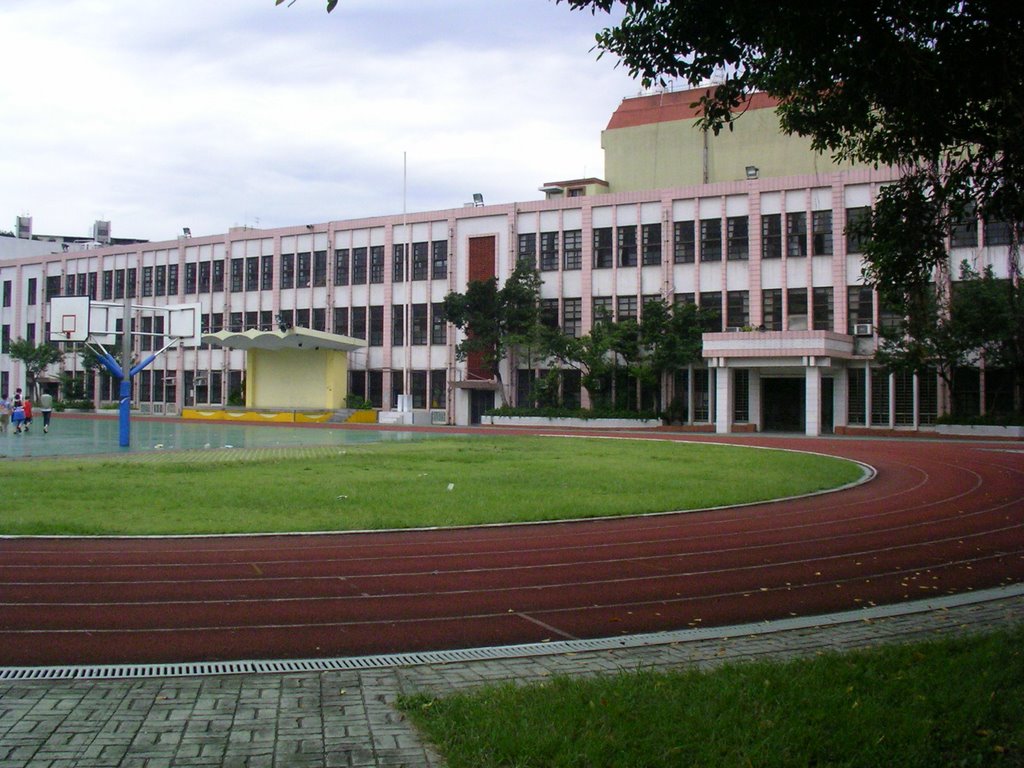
18,412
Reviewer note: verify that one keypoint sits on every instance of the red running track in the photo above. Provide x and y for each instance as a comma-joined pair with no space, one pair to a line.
940,517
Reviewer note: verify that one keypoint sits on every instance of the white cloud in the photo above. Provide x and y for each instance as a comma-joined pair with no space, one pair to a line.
189,113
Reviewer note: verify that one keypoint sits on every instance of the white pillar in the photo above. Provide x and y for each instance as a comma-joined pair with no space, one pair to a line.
812,401
754,389
723,400
840,397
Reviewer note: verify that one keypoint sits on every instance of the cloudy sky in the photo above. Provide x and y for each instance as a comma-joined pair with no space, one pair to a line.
216,113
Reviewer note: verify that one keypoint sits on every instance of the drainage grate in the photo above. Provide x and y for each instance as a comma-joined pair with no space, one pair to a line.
256,667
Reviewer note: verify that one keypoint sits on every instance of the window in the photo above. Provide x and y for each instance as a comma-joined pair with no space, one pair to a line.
771,236
93,277
266,320
376,338
52,286
627,246
710,239
419,323
856,220
147,281
341,266
377,264
418,388
160,281
796,234
30,332
603,248
341,321
438,326
119,284
108,284
527,252
684,242
572,249
771,309
235,322
172,280
69,288
736,231
548,251
319,269
549,312
711,303
860,307
439,254
359,266
266,273
8,292
420,261
796,299
218,276
398,258
604,309
359,322
287,270
438,388
822,309
626,306
650,235
303,271
737,309
572,317
237,275
204,277
397,325
998,233
5,339
821,233
964,231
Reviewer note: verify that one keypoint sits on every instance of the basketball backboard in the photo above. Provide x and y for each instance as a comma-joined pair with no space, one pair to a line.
69,318
185,322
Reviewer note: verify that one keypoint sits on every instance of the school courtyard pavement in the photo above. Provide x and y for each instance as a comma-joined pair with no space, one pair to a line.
342,713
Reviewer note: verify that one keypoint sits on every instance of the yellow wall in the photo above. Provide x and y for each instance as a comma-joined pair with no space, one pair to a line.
671,154
296,378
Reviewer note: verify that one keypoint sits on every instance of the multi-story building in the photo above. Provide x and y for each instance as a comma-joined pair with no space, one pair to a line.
751,223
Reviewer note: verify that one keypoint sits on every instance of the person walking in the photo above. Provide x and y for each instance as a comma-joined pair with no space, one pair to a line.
46,408
5,412
18,415
27,406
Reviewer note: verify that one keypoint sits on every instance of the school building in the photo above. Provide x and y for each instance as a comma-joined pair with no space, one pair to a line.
750,222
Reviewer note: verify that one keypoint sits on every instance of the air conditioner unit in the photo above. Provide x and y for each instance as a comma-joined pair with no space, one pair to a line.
863,329
734,328
438,417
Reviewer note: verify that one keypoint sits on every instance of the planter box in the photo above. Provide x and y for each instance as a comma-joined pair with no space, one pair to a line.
980,430
568,423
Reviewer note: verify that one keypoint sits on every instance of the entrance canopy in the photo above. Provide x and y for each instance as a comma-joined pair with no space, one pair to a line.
293,338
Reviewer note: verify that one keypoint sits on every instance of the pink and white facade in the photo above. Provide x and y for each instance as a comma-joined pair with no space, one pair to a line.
792,352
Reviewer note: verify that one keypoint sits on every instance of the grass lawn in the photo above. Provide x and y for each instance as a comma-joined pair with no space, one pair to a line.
945,703
443,482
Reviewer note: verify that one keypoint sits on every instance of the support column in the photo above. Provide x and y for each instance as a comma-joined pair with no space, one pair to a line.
723,400
754,393
840,397
812,401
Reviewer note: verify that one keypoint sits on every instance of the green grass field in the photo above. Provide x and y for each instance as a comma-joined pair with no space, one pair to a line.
444,482
945,703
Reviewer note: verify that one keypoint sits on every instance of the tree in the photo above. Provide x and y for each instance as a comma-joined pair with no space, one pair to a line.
36,358
927,86
980,317
495,319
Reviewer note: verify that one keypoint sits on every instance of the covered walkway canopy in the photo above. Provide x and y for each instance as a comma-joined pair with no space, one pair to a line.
295,368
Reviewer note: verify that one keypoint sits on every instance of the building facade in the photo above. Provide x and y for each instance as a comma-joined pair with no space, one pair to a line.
753,226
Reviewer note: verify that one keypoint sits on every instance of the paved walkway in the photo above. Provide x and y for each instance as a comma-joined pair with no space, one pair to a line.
345,717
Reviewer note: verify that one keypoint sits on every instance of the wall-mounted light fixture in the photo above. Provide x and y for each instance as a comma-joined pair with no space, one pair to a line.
752,171
478,199
186,231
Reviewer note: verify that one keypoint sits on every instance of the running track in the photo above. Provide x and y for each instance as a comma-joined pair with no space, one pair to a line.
940,517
